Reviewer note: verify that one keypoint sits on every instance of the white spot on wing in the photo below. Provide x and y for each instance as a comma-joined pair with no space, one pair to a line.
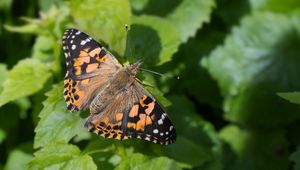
160,122
82,42
85,41
155,131
73,36
78,32
73,47
161,134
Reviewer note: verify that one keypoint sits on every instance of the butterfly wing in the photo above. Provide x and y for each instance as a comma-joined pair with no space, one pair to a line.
89,67
134,113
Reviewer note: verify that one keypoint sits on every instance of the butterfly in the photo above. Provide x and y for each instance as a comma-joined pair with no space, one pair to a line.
120,107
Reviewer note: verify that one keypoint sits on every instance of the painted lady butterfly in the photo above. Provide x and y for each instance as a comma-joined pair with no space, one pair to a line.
120,107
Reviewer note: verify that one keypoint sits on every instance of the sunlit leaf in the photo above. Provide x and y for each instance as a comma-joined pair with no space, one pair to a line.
248,69
139,161
17,160
62,156
190,15
293,97
138,5
42,48
56,123
2,135
152,39
3,75
105,20
5,4
25,78
275,5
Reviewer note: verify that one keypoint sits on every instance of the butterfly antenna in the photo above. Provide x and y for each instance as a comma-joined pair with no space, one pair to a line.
157,73
128,45
153,72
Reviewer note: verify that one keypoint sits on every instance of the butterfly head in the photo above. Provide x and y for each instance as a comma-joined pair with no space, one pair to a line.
134,68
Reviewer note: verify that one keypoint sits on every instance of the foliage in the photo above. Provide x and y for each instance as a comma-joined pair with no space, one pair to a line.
231,83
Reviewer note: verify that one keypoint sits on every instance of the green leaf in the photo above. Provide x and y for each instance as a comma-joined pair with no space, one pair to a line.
57,124
17,160
103,20
3,75
24,104
207,91
257,149
295,157
195,137
62,156
190,15
139,161
29,28
248,69
5,4
45,5
50,22
275,5
231,12
103,152
82,162
293,97
152,39
2,135
42,48
26,78
138,5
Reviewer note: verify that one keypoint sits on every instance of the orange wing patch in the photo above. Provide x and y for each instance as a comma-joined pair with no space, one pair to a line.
150,108
119,116
106,128
134,111
72,95
91,67
142,114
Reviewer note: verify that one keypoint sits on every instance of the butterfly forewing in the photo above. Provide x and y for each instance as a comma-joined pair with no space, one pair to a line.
88,66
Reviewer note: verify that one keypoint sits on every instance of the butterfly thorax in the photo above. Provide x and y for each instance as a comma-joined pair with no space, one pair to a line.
133,69
121,81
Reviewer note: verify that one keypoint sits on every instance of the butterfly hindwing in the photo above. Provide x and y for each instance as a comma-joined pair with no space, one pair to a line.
134,114
88,66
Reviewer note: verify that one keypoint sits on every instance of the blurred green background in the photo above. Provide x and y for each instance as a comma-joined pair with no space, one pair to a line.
235,106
